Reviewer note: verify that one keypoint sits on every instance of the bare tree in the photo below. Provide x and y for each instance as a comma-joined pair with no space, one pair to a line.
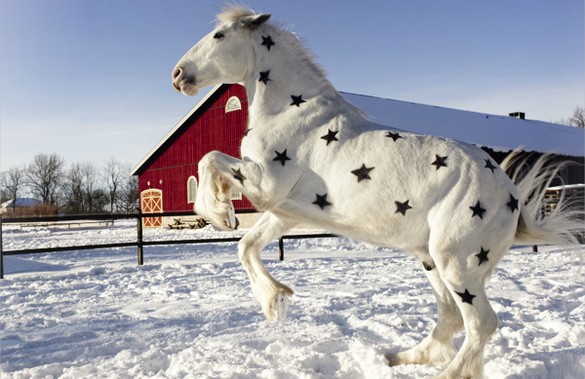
73,190
12,183
128,196
44,175
81,190
577,119
90,187
114,173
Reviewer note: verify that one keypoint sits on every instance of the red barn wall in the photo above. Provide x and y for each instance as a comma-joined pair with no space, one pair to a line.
177,161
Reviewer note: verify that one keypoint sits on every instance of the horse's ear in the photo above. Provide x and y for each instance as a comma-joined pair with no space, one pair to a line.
254,21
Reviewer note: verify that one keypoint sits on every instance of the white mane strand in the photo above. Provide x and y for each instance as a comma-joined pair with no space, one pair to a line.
233,13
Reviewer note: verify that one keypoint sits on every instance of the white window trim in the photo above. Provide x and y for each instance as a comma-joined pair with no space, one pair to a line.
233,104
191,196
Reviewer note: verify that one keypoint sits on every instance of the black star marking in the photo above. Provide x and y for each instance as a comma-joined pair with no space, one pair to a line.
362,172
489,164
264,77
477,210
466,297
439,161
482,256
322,201
394,136
513,203
268,42
239,176
330,137
402,207
297,100
282,157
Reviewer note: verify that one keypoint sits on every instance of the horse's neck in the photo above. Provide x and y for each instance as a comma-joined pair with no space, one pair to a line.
286,75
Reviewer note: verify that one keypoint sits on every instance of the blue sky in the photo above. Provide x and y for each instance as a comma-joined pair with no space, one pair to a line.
89,80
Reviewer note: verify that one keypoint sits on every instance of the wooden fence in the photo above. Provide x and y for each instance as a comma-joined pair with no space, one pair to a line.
139,243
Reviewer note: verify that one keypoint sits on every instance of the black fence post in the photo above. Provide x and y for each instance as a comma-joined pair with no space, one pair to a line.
139,243
281,248
1,252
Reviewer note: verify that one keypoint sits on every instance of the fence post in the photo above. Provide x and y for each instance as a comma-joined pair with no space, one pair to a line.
139,238
281,248
1,252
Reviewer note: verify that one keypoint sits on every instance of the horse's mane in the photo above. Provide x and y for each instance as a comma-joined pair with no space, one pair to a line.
295,45
233,13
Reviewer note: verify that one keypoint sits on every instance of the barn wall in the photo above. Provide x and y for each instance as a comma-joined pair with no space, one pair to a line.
177,160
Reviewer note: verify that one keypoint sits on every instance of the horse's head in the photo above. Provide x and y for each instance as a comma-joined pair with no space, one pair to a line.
226,55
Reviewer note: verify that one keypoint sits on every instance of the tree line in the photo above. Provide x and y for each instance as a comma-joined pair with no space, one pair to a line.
76,189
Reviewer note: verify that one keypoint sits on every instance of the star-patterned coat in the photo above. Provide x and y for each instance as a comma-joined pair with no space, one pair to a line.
311,157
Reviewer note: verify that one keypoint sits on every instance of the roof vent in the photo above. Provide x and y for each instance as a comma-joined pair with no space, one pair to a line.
520,115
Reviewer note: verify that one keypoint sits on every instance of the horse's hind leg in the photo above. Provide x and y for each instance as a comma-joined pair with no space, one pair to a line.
271,294
466,285
437,347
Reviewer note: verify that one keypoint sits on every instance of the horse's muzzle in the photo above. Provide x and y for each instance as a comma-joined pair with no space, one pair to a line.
184,83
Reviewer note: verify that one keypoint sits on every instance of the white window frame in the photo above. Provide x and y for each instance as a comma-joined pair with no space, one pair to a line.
191,195
233,104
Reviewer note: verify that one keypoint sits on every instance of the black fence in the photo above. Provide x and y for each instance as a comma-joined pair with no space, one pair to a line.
139,243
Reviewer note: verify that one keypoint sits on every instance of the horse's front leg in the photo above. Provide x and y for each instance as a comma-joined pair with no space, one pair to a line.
218,175
272,295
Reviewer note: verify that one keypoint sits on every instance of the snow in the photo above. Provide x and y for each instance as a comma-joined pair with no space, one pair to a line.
500,133
188,312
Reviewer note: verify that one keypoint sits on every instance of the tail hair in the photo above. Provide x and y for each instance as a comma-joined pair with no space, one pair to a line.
563,224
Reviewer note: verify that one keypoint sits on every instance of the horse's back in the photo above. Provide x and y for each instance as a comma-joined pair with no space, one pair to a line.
398,189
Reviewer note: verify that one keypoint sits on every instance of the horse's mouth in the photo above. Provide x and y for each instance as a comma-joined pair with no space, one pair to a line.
186,87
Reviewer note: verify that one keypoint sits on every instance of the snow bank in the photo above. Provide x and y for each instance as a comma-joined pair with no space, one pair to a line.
188,312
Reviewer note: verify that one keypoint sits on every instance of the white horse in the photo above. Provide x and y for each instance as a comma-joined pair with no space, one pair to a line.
309,156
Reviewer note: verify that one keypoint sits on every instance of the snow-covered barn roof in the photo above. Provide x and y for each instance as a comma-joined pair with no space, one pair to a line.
499,133
21,202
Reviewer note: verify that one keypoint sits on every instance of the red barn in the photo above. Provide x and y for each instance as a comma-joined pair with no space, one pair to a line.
167,176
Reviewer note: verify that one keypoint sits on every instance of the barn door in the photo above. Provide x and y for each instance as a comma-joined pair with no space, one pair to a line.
151,201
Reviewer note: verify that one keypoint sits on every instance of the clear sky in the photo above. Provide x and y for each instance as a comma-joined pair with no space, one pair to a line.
89,80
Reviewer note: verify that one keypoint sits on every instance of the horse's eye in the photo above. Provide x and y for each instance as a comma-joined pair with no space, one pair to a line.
219,35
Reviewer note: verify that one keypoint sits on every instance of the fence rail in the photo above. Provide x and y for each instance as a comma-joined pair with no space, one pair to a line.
139,243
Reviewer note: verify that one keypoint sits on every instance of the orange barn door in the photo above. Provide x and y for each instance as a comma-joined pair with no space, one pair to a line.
151,201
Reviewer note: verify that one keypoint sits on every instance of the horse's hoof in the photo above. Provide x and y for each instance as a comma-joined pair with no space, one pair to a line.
392,359
281,306
231,221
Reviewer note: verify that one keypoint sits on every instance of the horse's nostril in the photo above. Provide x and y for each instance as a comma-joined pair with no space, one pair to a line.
177,72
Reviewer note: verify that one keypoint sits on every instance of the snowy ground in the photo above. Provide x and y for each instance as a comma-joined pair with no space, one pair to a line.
188,312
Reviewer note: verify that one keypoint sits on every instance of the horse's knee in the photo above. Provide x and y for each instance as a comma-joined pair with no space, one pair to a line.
208,160
245,247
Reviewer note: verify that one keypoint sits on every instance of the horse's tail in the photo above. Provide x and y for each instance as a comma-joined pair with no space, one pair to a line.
562,224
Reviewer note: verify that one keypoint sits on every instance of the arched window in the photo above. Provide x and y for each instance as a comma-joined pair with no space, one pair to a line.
233,104
191,189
